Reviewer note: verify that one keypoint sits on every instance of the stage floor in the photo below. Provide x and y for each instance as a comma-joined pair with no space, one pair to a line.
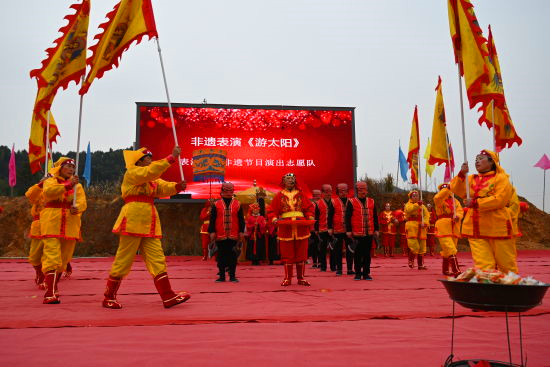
400,318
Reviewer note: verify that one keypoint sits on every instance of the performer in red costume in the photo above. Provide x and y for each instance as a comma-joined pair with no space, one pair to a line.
255,229
430,241
324,214
399,215
388,229
339,226
227,228
290,204
205,237
362,225
314,240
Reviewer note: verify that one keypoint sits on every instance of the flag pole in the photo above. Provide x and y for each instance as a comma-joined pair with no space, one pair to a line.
450,169
47,143
493,129
463,132
169,105
78,138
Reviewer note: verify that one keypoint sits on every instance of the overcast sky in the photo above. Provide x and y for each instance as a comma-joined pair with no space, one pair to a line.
382,57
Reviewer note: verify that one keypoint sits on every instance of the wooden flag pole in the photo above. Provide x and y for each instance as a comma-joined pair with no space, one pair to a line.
78,139
463,132
169,105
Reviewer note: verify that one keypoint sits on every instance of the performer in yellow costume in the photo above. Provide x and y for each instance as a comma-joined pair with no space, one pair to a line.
138,224
418,218
34,194
487,223
447,228
60,223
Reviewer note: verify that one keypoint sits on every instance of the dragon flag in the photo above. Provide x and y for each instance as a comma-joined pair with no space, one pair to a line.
414,148
438,150
66,61
495,111
129,21
37,139
471,54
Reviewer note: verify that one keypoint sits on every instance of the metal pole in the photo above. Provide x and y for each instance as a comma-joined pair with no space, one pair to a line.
169,105
543,190
493,130
47,143
78,140
463,131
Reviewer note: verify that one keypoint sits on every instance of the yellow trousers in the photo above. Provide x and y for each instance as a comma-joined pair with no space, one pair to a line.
35,252
57,253
448,246
494,254
417,247
149,248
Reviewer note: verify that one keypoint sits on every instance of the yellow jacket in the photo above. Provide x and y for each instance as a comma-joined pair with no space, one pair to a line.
34,194
444,227
414,218
55,219
139,217
488,218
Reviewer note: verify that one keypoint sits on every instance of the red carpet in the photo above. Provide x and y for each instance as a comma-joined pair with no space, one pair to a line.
400,317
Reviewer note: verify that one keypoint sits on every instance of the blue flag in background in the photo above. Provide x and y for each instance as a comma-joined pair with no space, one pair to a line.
88,166
403,165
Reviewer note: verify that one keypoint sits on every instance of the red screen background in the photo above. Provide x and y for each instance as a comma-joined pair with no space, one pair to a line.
316,144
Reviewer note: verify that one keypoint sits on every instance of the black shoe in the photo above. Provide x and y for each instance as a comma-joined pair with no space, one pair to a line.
233,280
220,279
314,265
357,277
351,272
367,277
339,272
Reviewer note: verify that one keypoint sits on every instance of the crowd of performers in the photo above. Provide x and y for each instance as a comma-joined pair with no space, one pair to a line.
291,229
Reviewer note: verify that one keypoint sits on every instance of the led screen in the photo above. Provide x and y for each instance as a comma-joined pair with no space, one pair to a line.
262,143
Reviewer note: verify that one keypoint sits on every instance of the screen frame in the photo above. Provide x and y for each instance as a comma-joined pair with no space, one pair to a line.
242,106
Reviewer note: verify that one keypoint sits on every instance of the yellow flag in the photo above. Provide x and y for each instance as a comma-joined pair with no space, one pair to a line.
495,111
470,48
37,139
429,167
438,151
130,20
414,148
66,61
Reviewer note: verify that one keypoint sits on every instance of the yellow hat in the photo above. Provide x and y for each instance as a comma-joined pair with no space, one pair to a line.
54,171
495,159
132,156
413,191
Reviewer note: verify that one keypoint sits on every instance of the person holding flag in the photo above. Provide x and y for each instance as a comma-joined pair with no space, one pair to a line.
138,224
418,218
487,223
447,228
60,223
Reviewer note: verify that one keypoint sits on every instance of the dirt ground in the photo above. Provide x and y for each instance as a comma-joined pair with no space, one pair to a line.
180,225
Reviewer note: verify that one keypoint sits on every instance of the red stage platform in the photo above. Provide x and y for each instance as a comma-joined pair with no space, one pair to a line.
402,317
